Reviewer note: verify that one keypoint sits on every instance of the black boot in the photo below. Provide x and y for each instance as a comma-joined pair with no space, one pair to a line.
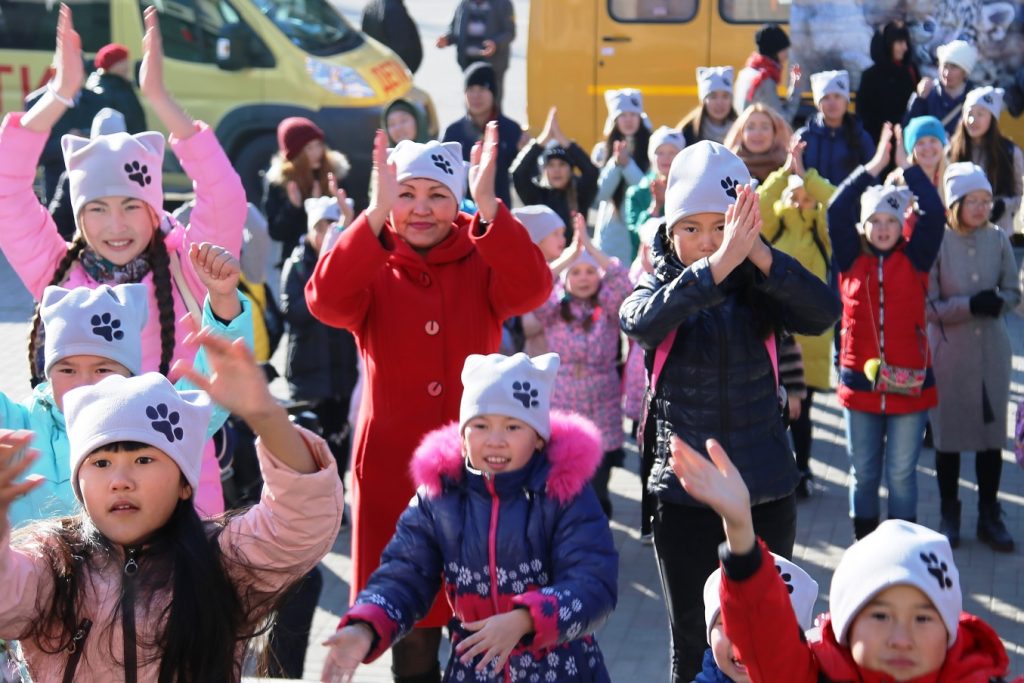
803,487
949,525
862,526
991,529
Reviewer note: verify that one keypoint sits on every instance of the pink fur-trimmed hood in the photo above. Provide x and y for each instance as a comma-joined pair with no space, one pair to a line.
574,453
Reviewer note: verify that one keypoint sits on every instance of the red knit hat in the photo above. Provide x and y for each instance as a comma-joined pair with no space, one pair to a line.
111,54
294,133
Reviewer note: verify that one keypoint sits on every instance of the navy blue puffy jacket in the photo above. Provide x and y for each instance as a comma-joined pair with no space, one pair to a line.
828,151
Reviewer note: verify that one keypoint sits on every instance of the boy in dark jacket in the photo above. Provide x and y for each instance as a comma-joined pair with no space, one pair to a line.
504,490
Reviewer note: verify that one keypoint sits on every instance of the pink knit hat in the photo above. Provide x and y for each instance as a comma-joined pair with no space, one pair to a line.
115,165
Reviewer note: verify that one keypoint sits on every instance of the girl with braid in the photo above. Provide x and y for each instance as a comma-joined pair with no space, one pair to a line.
123,234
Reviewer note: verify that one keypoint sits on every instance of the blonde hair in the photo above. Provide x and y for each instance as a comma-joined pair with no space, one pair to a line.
783,131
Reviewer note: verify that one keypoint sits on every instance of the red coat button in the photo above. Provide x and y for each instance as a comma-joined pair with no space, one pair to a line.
432,327
434,389
425,279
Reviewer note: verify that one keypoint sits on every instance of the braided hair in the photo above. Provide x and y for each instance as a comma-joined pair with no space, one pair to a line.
159,263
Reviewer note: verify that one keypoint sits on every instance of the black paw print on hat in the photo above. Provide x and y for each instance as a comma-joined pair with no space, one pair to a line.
893,202
987,98
787,578
525,394
106,326
635,101
727,80
164,421
442,163
730,185
938,569
137,173
841,84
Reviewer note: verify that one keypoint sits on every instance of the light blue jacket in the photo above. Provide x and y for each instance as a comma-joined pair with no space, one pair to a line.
55,496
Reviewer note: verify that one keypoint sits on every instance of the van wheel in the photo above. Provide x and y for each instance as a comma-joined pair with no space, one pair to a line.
251,161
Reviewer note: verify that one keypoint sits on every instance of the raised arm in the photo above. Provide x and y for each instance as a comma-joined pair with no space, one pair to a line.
525,171
654,308
843,216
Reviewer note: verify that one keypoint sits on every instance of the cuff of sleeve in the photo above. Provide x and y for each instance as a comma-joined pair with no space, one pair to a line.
742,567
184,146
377,619
544,612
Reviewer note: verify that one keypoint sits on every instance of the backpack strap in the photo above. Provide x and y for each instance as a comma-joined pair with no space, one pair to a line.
661,355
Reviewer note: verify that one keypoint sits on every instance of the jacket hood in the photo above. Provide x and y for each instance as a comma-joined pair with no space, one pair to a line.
422,132
339,166
573,452
977,656
666,264
882,42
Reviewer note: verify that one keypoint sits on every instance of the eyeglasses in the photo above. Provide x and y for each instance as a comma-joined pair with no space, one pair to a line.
978,203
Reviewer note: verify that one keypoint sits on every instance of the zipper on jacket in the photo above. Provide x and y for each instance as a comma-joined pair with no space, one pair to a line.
881,316
492,554
76,648
723,378
131,568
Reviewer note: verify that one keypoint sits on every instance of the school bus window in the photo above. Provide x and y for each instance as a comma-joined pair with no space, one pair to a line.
668,11
31,24
754,11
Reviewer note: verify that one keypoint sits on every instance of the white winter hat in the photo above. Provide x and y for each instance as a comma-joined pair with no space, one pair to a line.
803,592
106,122
664,136
887,199
323,208
621,102
703,179
897,553
986,96
649,230
962,178
440,161
827,82
960,53
147,409
115,165
539,220
514,386
713,79
580,257
105,321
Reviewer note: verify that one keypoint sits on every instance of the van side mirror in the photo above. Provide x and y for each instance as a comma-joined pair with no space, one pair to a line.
232,47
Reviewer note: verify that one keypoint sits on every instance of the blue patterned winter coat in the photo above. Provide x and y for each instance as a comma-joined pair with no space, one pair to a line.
535,538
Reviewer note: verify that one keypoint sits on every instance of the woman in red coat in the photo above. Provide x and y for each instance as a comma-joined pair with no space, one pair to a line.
421,286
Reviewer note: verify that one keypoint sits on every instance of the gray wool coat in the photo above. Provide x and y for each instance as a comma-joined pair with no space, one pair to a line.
971,355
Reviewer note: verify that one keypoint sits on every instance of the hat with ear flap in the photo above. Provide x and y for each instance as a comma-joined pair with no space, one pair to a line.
439,161
146,409
115,165
105,322
513,386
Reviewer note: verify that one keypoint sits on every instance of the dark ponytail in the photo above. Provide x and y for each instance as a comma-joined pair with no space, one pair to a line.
160,263
35,364
851,133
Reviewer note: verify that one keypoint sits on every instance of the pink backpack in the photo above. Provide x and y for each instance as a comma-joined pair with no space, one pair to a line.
661,355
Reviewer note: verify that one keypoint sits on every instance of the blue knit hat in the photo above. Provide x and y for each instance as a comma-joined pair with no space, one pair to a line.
920,127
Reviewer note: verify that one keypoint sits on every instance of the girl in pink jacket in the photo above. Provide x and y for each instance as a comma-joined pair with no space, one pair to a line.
137,587
123,234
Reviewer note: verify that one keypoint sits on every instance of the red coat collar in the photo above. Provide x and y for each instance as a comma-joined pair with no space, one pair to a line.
457,245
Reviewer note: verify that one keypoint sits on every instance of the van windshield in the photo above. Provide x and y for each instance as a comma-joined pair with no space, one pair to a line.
312,25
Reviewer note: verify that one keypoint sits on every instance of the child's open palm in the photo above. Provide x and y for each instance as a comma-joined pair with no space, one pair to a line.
385,184
742,228
151,73
482,172
215,267
715,482
348,648
13,443
494,638
67,60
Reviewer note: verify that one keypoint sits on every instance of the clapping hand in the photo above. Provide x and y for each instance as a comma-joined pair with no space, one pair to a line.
67,59
883,153
385,185
12,444
482,171
742,233
795,160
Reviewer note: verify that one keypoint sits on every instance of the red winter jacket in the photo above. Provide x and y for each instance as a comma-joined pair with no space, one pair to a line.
416,318
884,296
759,621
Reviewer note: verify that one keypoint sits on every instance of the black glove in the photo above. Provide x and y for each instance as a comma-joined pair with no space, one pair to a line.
998,207
986,303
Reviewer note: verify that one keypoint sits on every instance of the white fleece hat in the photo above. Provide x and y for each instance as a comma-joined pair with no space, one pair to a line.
514,386
962,178
115,165
664,135
897,553
539,220
803,592
827,82
887,199
147,409
985,96
321,209
713,79
621,102
649,230
440,161
703,179
960,53
105,321
107,122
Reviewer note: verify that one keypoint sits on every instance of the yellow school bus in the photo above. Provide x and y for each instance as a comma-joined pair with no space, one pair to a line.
239,65
578,49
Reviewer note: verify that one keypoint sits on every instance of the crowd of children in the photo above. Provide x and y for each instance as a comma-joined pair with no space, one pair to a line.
687,280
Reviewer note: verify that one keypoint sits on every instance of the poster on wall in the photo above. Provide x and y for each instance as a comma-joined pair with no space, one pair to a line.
836,34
